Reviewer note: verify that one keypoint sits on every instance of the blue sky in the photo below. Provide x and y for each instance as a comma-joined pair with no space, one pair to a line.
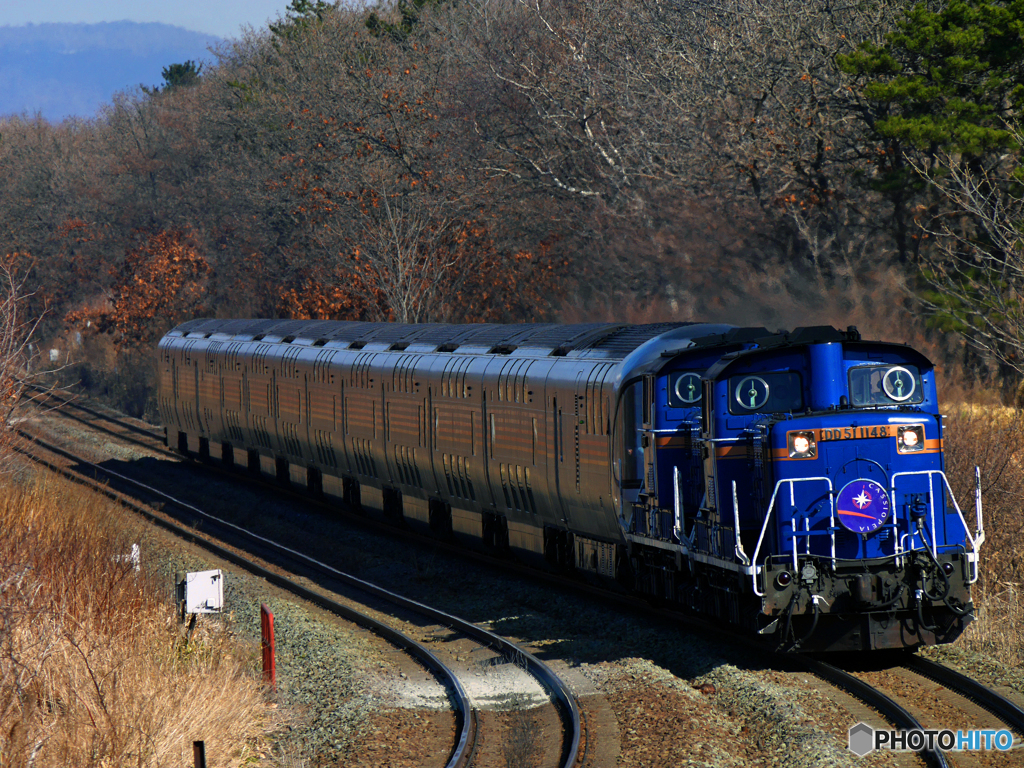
223,18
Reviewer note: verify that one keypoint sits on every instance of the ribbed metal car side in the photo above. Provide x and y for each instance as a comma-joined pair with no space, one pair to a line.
496,434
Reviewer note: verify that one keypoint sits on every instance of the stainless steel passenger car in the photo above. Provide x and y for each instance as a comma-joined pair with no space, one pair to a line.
501,434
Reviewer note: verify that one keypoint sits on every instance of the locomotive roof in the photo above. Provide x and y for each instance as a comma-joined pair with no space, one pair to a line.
590,340
801,337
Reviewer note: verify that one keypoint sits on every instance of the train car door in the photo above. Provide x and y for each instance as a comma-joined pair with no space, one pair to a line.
579,463
231,398
360,411
209,389
324,392
168,387
288,404
405,438
455,417
186,388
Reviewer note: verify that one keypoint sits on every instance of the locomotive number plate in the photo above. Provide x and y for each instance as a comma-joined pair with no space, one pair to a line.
855,433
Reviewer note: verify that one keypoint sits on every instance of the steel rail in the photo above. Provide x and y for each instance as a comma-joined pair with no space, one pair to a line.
69,399
466,717
985,697
873,697
555,686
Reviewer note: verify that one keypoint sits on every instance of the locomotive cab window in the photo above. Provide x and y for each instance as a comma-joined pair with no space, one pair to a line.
684,389
780,392
885,385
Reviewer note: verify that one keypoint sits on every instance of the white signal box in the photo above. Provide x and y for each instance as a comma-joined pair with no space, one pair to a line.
204,592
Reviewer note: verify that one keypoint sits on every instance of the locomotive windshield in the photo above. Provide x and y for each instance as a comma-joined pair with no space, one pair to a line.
885,385
765,393
684,389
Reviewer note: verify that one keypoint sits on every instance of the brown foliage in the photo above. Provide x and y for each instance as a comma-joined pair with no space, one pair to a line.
461,276
495,162
160,282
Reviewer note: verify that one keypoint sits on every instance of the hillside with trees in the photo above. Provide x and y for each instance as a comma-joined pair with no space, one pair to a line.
436,160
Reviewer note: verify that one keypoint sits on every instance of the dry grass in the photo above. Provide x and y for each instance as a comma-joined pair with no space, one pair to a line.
519,747
94,668
992,437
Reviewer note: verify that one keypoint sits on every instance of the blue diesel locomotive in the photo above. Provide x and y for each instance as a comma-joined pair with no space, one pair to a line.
791,484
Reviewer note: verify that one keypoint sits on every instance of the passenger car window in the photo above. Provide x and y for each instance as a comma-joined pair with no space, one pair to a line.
885,385
765,393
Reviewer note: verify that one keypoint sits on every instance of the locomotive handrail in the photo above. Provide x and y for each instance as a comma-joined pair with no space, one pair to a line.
980,531
771,506
738,548
975,541
676,505
684,540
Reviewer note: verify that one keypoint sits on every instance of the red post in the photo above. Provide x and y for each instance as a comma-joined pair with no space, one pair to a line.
267,632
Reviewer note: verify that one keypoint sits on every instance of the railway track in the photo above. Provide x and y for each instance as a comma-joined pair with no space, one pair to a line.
886,706
855,682
1004,709
931,696
146,436
441,635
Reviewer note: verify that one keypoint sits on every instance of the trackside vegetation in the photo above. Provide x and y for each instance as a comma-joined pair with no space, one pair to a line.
95,669
992,437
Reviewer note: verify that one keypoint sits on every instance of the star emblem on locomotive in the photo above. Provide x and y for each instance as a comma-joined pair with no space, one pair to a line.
863,506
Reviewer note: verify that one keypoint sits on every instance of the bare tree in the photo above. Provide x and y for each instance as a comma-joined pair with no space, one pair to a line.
401,257
17,329
737,101
976,266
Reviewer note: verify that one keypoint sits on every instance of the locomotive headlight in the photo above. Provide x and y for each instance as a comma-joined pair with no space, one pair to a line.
802,445
784,579
910,439
947,568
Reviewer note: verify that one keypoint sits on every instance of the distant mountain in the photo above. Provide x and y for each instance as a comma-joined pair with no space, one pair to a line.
64,70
